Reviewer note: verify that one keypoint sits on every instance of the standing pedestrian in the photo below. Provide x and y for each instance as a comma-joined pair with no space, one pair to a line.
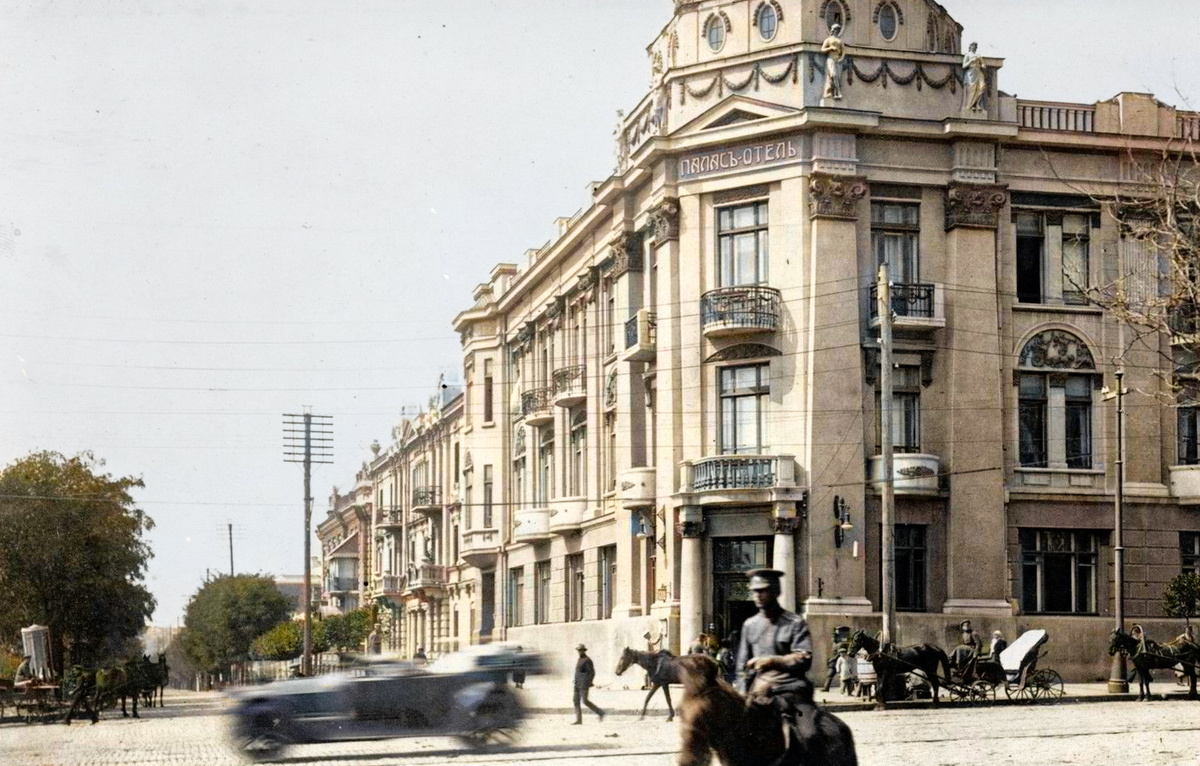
585,673
847,668
419,659
518,675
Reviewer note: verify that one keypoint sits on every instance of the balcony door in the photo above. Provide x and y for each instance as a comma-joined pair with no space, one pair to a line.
895,228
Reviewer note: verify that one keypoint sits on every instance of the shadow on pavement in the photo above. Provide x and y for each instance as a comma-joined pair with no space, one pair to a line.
591,748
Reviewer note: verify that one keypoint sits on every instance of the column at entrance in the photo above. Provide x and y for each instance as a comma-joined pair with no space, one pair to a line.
691,575
784,553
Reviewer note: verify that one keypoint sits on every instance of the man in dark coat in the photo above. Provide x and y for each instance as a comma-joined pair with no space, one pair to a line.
585,673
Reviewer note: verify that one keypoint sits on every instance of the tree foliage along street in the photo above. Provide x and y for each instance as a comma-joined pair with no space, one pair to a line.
1182,597
72,556
341,632
225,616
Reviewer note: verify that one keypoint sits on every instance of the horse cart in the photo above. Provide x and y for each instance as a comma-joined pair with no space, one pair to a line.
37,702
1016,672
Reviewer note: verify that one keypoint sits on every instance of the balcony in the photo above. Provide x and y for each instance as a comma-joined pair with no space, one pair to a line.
531,525
567,516
425,577
636,488
746,310
391,518
479,547
742,479
915,307
393,585
912,475
427,500
341,584
570,386
537,406
641,337
1185,484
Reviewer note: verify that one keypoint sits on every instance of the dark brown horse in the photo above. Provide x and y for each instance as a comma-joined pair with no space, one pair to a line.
716,718
890,660
1150,655
660,667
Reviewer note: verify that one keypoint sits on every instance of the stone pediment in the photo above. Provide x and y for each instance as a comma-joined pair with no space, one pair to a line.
734,110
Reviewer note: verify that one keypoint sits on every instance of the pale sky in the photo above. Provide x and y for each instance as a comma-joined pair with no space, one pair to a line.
214,212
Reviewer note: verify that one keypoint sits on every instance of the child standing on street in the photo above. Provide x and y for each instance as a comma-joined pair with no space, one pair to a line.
847,669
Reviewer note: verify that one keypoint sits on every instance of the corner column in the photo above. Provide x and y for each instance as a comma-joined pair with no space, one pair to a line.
691,575
784,558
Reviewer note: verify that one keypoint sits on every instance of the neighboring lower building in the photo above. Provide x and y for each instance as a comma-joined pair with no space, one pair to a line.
684,384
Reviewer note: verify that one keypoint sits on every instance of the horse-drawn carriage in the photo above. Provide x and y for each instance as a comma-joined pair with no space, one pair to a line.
1016,672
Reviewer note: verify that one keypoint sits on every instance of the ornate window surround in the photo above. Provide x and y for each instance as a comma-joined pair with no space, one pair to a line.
717,17
825,8
875,16
758,14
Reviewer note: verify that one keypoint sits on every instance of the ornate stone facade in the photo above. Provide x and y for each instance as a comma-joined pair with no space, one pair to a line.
664,220
835,196
974,205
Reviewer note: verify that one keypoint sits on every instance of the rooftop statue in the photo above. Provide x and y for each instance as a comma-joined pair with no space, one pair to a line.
835,51
976,71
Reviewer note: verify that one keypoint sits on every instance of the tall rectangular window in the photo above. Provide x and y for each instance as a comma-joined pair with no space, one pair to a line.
545,488
468,505
744,393
518,479
742,245
1189,436
487,497
895,234
1076,239
608,579
574,587
1032,417
1079,421
911,568
488,392
610,318
1058,571
541,592
1189,550
610,451
1031,246
515,595
578,471
906,410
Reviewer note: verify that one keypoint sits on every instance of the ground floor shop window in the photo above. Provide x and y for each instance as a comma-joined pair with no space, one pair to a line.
541,592
912,561
1189,547
515,597
1058,571
608,579
574,587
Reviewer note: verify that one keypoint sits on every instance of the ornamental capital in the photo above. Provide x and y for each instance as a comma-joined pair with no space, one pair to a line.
785,525
625,253
975,206
691,529
664,220
836,197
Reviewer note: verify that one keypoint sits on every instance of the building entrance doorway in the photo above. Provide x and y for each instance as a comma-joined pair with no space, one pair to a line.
733,603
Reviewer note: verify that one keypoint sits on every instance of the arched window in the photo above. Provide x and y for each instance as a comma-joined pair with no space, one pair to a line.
767,21
1055,377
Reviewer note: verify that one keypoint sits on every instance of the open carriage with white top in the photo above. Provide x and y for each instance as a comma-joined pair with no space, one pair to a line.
1017,673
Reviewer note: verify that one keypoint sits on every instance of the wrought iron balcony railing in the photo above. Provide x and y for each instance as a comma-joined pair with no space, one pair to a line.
426,497
908,300
644,333
749,308
536,402
570,381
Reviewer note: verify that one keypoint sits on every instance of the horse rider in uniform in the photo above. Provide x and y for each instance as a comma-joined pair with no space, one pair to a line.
775,651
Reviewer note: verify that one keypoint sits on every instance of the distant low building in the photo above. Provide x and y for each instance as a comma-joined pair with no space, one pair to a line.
292,586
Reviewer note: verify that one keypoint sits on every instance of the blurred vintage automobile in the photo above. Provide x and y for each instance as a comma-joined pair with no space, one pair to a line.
465,695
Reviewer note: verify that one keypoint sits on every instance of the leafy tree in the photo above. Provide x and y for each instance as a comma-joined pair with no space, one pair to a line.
225,616
73,556
1182,597
286,641
346,632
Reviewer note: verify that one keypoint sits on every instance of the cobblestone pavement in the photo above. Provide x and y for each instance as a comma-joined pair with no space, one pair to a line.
192,730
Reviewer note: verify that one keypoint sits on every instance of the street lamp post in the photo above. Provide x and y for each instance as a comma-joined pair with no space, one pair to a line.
1118,682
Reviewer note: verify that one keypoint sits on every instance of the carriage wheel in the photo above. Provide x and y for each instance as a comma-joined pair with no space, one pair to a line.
984,690
1047,685
1020,691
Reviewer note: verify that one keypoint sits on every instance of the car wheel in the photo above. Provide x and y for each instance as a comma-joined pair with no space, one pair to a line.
492,723
260,739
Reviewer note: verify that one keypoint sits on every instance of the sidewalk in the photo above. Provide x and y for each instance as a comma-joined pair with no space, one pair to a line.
551,695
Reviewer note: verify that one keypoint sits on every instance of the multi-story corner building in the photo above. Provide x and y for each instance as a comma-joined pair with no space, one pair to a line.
345,536
684,384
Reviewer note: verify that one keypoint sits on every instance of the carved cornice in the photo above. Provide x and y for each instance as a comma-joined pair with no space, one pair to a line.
744,351
664,220
625,254
835,196
975,206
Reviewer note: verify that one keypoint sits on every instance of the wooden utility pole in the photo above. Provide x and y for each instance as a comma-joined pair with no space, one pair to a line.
230,525
1118,683
888,586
